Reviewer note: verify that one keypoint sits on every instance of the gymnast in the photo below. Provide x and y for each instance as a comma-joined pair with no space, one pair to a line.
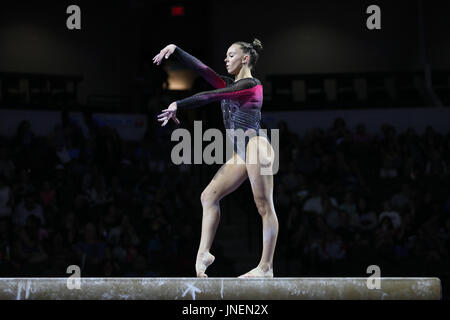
241,101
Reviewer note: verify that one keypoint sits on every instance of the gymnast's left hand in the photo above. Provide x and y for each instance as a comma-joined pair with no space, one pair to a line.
169,113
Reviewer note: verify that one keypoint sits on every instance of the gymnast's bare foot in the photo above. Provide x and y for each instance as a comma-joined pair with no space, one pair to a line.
259,272
204,260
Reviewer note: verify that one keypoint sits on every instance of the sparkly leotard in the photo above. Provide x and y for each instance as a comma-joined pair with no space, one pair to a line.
241,101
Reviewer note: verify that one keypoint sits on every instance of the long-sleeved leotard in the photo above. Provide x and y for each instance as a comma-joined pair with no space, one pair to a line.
241,100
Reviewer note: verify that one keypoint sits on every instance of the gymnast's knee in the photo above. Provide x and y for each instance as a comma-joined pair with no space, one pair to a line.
263,205
208,198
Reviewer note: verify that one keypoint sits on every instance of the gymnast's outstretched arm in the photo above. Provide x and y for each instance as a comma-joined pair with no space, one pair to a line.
240,90
193,63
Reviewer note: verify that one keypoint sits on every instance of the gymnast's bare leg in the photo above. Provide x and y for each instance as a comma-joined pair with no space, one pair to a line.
260,158
229,177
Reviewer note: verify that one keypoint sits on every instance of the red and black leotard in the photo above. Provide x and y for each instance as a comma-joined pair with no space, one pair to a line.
241,100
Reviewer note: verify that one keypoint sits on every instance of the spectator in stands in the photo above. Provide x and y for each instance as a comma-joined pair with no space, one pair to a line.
296,227
345,171
436,166
359,248
69,227
332,247
390,213
314,203
72,149
328,169
384,238
115,188
402,199
7,167
128,232
282,197
29,249
422,206
349,207
444,239
6,198
401,250
387,169
91,250
361,136
140,268
61,254
332,214
6,244
307,163
368,219
109,224
286,135
410,171
156,244
110,268
303,189
63,154
426,247
338,131
28,207
447,206
97,193
47,195
23,184
25,137
289,178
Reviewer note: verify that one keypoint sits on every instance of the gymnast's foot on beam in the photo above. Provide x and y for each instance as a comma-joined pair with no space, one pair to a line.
204,260
259,272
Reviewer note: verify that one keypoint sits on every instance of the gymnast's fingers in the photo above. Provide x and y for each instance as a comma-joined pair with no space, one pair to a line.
162,114
175,119
156,59
163,53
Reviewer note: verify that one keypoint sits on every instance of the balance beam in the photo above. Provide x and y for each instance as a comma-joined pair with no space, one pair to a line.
218,289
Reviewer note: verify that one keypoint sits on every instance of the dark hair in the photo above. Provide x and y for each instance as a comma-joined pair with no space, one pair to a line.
253,49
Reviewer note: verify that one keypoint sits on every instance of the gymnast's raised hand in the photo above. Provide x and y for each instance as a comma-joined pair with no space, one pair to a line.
164,53
167,114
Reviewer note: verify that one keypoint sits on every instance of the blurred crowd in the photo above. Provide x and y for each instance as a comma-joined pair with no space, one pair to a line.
352,200
120,208
108,206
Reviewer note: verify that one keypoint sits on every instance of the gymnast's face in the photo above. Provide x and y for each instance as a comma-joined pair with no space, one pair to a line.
235,59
